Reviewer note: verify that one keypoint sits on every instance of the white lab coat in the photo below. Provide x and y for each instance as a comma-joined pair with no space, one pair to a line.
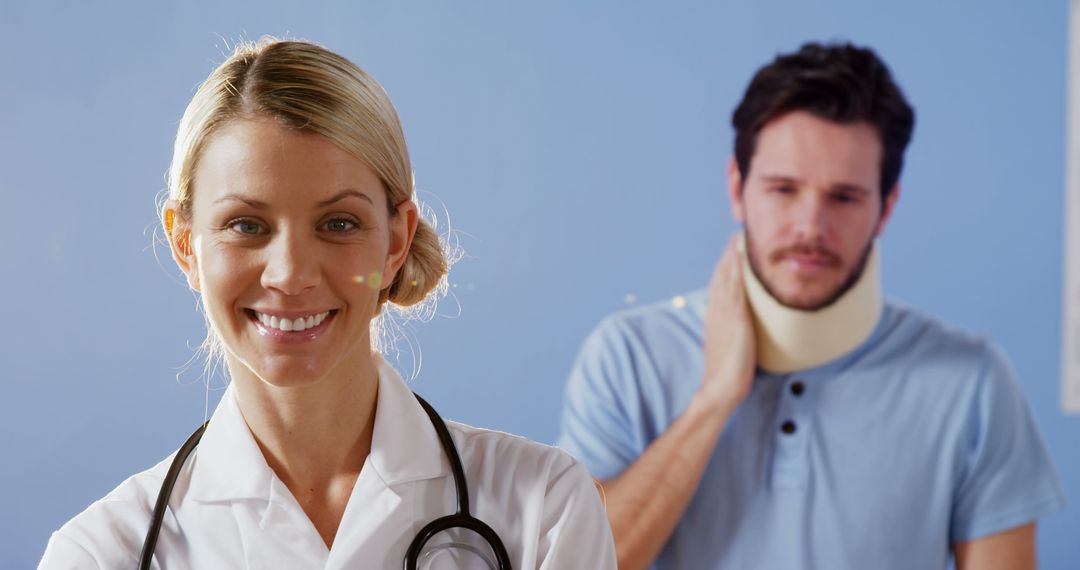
229,510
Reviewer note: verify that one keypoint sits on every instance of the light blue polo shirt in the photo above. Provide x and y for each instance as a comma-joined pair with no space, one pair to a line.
918,439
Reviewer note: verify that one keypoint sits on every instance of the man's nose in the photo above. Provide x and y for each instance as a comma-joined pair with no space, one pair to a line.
811,216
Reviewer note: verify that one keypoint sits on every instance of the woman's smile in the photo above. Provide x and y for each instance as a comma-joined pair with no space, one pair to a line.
291,326
283,222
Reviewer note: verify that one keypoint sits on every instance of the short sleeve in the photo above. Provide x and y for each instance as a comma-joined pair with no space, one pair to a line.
63,553
576,532
1008,477
600,419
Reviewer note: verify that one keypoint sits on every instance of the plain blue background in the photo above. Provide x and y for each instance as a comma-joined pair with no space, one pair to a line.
580,148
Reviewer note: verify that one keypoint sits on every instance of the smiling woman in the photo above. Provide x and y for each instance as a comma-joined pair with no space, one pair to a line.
284,226
291,212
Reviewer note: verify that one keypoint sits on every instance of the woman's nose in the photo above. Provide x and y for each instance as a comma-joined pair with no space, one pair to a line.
291,266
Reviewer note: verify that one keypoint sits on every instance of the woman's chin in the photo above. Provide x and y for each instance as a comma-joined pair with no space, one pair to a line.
285,375
299,370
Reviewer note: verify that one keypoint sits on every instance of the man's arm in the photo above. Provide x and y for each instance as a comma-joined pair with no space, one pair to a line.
647,500
1008,480
1013,549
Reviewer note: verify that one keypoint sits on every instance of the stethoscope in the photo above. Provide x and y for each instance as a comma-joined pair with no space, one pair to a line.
460,519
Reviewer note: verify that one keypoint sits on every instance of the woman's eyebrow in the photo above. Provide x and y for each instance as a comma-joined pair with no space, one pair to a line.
345,194
239,198
262,205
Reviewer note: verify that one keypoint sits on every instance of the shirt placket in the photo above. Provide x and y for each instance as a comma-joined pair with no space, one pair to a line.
791,427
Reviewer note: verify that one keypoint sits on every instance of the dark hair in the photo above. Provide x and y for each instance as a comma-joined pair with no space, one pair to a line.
837,82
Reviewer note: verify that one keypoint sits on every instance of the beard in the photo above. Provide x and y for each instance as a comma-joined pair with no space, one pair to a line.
829,298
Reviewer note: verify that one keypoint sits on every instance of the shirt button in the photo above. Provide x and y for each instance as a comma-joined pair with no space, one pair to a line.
788,427
798,388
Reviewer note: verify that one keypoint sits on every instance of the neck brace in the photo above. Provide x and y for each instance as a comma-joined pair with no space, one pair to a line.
791,339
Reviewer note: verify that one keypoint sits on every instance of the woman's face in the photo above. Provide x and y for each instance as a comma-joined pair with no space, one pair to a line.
291,241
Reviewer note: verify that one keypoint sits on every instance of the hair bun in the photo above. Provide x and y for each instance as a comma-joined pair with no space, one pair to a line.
423,271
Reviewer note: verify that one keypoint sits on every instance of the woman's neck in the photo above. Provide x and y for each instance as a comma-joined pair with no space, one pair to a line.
315,436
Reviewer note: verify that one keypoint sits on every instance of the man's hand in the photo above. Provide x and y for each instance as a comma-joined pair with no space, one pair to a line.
729,335
647,500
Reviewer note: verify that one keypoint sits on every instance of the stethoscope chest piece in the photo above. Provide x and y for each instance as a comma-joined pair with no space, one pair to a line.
459,520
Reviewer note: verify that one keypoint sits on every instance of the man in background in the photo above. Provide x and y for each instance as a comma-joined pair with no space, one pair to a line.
790,416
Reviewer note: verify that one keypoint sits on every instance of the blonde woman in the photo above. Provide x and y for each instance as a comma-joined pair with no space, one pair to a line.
291,211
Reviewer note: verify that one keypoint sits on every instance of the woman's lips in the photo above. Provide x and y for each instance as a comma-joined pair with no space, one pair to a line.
291,322
284,329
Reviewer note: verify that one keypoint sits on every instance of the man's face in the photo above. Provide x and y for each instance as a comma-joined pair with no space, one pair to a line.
811,206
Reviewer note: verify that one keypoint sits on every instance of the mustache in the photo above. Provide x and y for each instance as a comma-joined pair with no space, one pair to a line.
809,249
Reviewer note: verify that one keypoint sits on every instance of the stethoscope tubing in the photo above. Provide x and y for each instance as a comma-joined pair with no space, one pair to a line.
461,519
150,543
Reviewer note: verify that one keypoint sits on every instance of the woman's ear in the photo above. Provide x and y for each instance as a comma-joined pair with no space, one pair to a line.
402,229
178,233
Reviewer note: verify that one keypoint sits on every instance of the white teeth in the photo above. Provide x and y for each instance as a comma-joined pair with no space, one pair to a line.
292,325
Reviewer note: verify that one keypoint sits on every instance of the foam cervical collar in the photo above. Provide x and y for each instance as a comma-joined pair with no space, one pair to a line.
791,339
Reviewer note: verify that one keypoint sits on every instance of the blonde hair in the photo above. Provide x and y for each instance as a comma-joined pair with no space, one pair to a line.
310,89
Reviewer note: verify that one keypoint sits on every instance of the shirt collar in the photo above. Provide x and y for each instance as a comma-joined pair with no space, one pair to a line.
228,464
404,444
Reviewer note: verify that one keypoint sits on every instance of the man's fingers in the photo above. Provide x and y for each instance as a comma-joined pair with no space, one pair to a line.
727,277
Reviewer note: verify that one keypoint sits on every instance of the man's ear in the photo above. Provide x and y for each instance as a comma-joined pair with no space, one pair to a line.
402,229
735,191
888,208
178,233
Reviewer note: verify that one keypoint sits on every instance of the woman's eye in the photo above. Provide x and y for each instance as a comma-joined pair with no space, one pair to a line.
340,225
246,227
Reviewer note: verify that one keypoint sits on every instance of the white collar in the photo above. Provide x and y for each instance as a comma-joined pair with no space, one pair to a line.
228,464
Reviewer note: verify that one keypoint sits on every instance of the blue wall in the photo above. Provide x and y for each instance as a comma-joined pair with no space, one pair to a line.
579,148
